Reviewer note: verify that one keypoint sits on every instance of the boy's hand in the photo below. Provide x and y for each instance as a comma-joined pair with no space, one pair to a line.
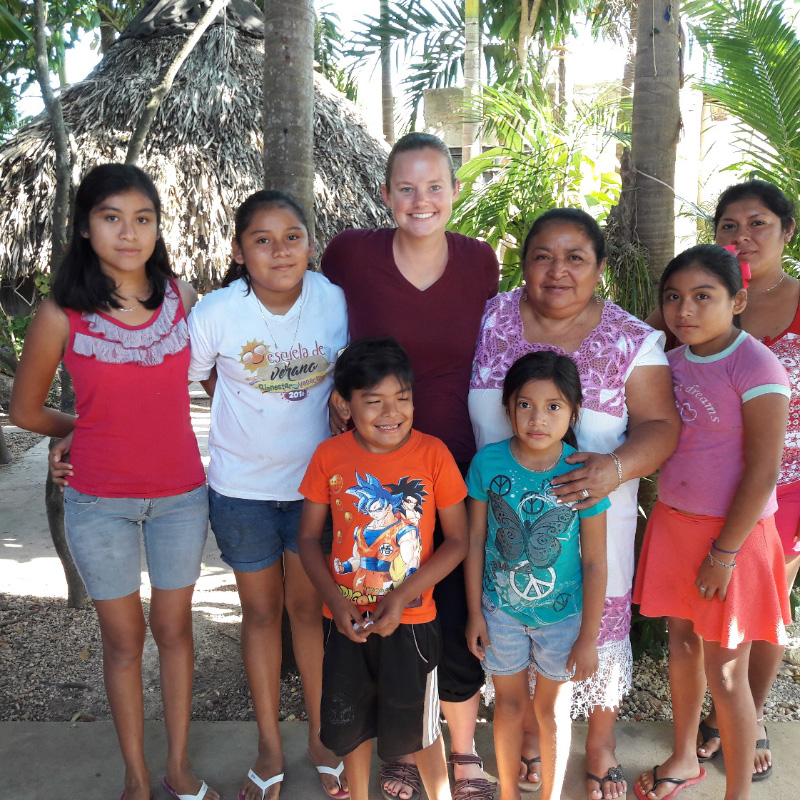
583,657
387,615
347,616
477,636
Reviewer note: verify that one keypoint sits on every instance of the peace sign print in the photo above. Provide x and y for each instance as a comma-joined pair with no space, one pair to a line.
532,586
501,484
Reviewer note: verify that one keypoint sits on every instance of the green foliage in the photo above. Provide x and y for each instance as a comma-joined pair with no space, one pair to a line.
429,36
328,53
648,636
754,52
539,165
67,22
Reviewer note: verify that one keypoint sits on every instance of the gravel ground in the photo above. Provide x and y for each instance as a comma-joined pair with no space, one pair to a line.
51,669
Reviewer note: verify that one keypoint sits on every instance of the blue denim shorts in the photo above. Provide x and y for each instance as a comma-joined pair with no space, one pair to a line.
104,535
252,534
514,645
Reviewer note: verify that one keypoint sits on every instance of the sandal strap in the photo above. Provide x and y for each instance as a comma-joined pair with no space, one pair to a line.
465,758
403,773
473,789
658,781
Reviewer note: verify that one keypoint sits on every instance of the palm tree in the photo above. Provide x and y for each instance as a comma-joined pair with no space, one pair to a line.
288,100
754,53
655,129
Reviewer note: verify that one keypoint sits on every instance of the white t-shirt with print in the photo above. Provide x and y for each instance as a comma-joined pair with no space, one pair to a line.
270,407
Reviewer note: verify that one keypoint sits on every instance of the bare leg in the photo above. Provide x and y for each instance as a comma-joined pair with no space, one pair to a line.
357,766
512,698
461,719
687,682
601,744
305,614
553,701
433,770
765,661
261,595
171,625
122,631
726,671
530,770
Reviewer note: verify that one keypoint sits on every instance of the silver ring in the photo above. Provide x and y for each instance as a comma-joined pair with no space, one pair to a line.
585,494
703,588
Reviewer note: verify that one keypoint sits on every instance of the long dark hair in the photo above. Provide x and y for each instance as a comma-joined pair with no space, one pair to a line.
771,196
545,365
244,216
713,259
79,283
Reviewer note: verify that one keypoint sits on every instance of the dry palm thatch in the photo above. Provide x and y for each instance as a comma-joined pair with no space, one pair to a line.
204,151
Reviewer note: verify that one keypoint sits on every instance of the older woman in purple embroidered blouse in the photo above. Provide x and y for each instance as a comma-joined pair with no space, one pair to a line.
628,426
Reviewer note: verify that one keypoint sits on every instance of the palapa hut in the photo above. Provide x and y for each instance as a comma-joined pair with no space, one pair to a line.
204,150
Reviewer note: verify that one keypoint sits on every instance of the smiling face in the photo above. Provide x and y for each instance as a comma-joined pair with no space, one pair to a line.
757,234
561,270
123,231
699,310
382,414
421,192
275,250
540,416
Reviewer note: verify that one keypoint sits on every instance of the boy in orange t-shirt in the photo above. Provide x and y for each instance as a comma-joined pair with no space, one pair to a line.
384,483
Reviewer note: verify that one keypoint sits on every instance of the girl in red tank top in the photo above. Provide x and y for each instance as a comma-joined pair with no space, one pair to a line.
117,317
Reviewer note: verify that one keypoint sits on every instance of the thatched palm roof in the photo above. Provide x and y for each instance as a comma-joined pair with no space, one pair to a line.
204,151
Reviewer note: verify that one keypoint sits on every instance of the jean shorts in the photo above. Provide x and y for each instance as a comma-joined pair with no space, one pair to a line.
104,535
252,534
514,645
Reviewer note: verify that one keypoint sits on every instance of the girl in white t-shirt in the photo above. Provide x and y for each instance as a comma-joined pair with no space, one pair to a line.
263,346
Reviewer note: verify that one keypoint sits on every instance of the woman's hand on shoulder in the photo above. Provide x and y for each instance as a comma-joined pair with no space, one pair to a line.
188,295
594,479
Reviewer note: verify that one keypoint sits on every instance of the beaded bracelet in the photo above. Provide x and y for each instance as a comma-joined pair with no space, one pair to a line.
712,560
720,550
618,465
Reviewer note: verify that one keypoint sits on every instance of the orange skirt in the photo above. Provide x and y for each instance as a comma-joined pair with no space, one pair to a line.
756,607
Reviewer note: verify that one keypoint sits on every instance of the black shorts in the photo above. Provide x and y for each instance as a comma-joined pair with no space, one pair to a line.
460,673
384,689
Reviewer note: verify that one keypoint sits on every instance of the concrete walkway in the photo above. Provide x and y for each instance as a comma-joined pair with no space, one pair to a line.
49,760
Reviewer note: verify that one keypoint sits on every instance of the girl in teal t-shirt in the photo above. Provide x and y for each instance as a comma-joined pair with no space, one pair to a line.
536,569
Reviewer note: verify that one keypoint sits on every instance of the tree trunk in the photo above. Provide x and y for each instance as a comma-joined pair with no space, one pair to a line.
54,500
656,124
5,455
628,73
108,33
529,14
387,94
162,90
288,112
470,142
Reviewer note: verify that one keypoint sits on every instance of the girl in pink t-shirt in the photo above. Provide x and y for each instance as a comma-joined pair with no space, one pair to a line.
712,559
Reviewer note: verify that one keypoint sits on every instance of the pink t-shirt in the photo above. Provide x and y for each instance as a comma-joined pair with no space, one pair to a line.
701,476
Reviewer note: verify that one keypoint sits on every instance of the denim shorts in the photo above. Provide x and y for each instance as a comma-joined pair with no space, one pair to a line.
104,536
252,534
514,645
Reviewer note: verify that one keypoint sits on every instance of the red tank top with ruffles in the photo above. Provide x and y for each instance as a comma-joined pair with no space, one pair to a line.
133,436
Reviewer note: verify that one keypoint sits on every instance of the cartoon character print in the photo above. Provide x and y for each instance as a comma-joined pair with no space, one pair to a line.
387,549
528,542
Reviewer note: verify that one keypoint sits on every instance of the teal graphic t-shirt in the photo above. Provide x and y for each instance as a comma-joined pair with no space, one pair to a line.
532,569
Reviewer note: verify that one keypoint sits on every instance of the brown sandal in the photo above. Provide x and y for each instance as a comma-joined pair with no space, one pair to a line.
471,788
402,773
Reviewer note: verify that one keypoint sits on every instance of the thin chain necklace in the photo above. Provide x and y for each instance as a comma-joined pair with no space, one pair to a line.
776,284
126,310
546,469
288,353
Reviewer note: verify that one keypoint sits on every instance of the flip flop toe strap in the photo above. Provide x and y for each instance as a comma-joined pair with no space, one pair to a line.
336,772
264,785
